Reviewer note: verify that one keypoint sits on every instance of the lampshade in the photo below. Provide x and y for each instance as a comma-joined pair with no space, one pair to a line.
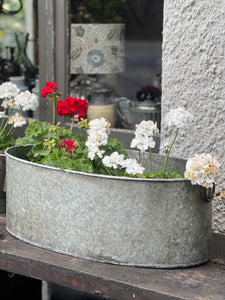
97,48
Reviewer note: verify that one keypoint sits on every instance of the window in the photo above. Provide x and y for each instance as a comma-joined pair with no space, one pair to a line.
142,21
139,27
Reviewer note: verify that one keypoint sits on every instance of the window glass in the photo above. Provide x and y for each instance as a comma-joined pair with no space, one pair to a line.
18,45
116,58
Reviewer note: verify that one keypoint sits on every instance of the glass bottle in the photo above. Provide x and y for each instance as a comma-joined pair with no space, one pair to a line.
22,59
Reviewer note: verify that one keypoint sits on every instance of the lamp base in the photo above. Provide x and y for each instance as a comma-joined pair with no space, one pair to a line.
106,111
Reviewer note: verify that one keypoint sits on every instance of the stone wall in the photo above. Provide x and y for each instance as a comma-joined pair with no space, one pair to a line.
193,76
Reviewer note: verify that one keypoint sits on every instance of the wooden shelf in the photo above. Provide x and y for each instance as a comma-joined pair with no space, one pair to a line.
112,281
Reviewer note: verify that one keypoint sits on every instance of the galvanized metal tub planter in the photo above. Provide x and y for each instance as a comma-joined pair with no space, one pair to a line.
128,221
2,181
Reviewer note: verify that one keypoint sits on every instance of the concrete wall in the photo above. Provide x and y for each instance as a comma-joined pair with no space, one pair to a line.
193,76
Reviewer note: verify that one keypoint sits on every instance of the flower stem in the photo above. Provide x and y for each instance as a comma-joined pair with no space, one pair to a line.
107,170
10,130
2,123
72,123
54,105
3,129
143,159
168,153
150,156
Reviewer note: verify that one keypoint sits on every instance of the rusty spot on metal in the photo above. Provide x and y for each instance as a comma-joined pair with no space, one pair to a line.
75,283
217,261
3,238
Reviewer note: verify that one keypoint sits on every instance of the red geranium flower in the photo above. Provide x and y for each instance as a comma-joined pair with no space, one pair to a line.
49,88
72,107
69,145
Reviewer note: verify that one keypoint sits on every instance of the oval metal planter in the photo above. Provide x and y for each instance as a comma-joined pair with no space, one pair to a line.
127,221
2,181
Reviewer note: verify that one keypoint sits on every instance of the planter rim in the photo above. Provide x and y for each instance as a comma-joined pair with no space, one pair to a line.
92,174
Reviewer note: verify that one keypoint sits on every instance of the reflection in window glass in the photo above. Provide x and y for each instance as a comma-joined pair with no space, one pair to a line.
129,73
18,45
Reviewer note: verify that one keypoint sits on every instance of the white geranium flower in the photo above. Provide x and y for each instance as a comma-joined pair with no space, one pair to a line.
133,167
8,90
144,136
2,114
97,136
147,128
142,143
26,101
179,117
114,160
202,169
94,151
165,147
17,120
99,124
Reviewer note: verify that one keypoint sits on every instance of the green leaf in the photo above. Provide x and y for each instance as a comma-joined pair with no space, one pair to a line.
113,146
58,162
6,141
163,175
83,165
39,150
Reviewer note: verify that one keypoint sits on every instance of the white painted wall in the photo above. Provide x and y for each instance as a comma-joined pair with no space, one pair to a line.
193,76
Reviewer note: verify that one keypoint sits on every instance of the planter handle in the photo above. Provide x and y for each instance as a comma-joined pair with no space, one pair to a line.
208,194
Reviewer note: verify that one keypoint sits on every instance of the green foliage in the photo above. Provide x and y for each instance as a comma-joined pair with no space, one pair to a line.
114,145
6,141
46,140
158,175
39,131
41,134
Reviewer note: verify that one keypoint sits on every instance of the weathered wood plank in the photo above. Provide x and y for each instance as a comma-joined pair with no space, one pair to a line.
115,282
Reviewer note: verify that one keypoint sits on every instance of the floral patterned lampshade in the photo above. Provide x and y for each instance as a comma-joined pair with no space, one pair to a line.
97,48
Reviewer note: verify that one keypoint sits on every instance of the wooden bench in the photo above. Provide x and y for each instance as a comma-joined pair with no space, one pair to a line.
111,281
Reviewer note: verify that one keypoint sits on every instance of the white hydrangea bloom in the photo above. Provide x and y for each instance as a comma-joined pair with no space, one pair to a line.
144,136
17,120
8,90
114,160
97,136
26,101
179,117
202,169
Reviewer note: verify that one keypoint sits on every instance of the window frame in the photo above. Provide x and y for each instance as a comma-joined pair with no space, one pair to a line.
54,37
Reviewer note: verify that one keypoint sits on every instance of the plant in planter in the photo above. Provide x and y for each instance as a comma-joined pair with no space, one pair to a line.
98,153
90,198
16,100
12,99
